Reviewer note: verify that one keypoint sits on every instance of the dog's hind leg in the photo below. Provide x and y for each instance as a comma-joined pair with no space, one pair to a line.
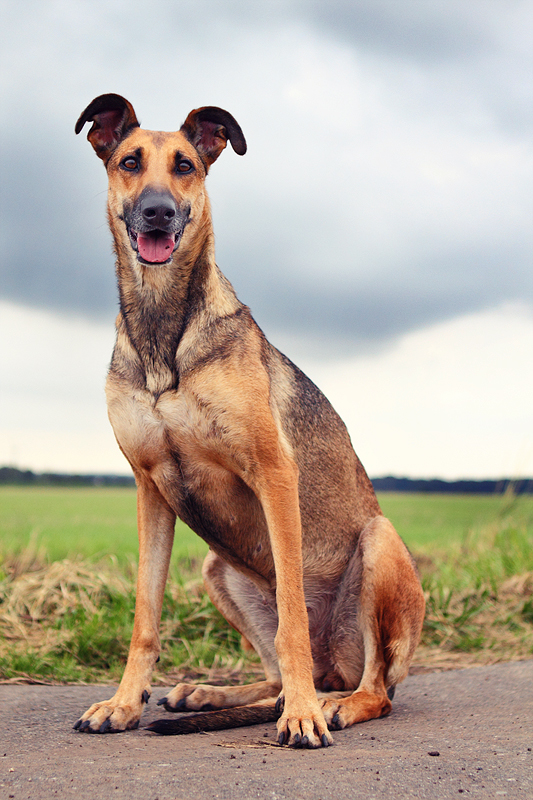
379,609
254,616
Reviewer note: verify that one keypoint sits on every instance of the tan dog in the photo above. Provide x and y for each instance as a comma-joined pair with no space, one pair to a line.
226,433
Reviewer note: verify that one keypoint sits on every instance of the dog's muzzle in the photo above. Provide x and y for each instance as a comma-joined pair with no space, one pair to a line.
155,227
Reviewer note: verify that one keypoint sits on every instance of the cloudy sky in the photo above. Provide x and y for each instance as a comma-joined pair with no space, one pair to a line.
380,225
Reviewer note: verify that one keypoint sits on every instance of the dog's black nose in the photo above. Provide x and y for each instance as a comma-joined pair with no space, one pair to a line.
158,210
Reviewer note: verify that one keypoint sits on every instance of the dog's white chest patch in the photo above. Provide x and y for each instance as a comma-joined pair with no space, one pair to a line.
174,442
143,428
160,433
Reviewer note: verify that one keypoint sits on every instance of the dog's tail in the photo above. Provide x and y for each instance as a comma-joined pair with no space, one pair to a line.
222,719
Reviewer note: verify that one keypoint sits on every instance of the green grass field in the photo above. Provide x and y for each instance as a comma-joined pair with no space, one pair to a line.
88,522
67,576
93,522
432,522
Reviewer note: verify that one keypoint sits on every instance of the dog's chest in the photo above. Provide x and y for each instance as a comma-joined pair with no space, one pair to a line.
155,433
178,445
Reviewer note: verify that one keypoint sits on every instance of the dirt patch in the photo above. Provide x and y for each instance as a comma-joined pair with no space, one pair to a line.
478,720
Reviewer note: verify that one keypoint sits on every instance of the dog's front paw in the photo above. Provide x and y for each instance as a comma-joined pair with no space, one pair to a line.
112,716
303,725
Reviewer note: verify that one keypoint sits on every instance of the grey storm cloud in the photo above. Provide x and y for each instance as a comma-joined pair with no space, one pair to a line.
388,178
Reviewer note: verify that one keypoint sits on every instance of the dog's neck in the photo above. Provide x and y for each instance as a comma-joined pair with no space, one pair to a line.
158,304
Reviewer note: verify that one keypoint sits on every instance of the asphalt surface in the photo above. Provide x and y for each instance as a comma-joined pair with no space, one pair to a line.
464,733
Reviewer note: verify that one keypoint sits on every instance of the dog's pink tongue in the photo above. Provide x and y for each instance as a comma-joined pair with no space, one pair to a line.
155,249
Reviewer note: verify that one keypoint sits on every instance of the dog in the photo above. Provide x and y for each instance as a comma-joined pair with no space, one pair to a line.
224,432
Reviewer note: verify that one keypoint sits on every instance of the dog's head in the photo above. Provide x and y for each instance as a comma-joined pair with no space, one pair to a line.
156,179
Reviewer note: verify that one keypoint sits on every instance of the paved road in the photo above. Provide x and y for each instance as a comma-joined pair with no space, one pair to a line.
479,720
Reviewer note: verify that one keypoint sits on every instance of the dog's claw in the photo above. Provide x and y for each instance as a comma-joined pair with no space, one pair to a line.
324,740
181,705
145,697
280,703
282,737
105,726
77,725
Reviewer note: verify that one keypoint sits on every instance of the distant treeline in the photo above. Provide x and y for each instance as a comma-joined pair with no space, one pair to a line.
25,477
18,477
436,486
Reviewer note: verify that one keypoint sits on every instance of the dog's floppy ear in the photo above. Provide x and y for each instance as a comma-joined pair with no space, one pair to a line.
209,129
112,117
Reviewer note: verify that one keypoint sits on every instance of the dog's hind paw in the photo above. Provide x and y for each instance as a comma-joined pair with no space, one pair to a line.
358,707
191,697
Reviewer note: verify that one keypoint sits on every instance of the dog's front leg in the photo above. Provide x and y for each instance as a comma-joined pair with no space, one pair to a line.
156,533
302,722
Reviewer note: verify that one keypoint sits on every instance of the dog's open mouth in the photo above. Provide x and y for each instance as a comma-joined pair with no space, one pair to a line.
154,247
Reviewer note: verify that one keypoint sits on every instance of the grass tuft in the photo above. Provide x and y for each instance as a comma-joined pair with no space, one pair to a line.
479,594
70,620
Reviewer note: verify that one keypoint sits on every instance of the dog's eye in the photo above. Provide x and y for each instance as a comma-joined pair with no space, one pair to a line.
129,163
184,166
